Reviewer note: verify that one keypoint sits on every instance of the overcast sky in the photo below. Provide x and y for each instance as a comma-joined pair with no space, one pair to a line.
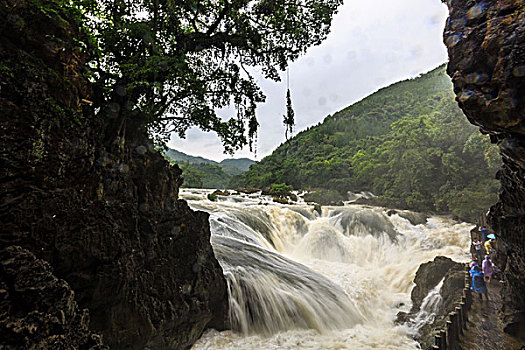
373,43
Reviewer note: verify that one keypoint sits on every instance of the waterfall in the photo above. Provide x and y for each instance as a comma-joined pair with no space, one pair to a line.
270,293
300,279
429,307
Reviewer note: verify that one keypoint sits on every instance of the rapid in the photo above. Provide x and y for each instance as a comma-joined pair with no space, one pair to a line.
335,279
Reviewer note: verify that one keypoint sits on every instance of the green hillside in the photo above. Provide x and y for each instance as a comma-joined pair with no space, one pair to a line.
408,143
236,166
199,172
181,157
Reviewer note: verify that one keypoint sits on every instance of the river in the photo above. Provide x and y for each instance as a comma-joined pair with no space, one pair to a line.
300,279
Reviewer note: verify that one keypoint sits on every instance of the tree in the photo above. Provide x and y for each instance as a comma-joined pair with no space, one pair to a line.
281,190
164,66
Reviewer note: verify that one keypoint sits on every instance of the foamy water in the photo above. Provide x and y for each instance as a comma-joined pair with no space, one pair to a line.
300,280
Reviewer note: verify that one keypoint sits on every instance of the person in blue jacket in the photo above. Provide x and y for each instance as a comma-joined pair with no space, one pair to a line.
484,233
478,282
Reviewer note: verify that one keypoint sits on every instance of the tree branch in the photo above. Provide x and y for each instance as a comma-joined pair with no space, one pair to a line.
219,18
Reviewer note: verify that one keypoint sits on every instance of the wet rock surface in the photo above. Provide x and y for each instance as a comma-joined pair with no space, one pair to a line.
485,327
415,218
427,278
486,45
487,62
101,210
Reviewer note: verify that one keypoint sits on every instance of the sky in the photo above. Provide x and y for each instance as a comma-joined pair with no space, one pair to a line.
372,44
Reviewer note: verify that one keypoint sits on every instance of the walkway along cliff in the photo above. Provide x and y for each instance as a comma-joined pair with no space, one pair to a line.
93,238
486,46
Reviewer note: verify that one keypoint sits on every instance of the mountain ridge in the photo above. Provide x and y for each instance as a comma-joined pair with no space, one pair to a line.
240,163
207,173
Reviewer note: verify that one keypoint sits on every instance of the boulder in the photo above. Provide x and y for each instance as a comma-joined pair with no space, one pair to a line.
415,218
281,200
248,190
324,197
221,193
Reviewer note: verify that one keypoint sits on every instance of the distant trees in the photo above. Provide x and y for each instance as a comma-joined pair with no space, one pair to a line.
203,175
191,177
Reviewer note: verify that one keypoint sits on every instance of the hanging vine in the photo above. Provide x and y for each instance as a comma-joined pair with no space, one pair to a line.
289,117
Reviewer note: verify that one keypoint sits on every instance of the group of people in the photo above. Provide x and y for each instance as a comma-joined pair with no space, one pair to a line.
482,269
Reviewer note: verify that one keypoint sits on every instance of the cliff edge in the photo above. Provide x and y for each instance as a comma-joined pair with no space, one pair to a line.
486,46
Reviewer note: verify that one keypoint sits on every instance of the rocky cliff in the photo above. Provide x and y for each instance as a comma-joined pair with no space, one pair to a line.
486,46
100,220
37,310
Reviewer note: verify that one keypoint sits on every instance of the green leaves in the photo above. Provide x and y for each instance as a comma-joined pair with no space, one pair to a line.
280,190
180,60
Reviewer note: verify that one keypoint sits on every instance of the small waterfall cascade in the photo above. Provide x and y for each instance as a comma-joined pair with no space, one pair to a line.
429,307
298,278
270,293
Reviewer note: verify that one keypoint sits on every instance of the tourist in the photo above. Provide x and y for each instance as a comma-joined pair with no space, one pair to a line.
479,249
487,267
473,262
484,233
489,246
478,282
474,233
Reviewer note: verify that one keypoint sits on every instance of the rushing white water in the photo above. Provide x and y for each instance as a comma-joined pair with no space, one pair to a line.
429,307
298,279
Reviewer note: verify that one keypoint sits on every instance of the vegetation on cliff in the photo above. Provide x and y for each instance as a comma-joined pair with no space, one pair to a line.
408,143
90,231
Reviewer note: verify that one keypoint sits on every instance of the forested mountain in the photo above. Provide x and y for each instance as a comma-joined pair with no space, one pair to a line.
236,166
201,172
408,143
181,157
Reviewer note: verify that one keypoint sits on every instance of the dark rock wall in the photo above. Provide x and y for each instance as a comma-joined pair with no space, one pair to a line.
486,45
104,216
38,310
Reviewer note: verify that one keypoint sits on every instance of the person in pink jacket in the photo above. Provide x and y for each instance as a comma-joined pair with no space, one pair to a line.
487,267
